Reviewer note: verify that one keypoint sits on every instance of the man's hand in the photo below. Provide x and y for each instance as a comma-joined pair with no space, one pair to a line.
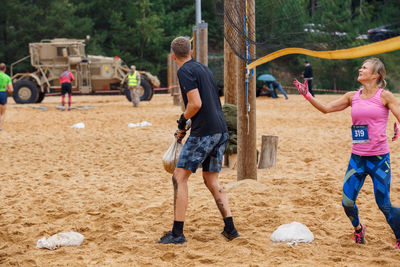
182,122
396,131
179,135
303,89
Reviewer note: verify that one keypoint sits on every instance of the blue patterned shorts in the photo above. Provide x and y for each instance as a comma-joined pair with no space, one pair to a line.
207,151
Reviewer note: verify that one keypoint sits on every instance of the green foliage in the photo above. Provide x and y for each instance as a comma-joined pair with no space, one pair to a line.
279,24
332,25
140,32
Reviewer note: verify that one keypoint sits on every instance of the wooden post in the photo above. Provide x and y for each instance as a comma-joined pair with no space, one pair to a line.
202,29
194,43
169,73
175,89
247,151
269,148
230,63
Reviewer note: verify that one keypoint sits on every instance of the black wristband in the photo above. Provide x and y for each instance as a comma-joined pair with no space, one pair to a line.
181,122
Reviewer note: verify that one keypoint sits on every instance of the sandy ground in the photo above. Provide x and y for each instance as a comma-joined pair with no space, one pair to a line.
107,182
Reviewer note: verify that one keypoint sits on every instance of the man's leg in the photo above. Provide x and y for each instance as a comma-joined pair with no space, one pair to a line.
62,102
219,194
221,199
2,115
179,181
273,91
309,82
69,96
282,91
64,90
135,99
131,91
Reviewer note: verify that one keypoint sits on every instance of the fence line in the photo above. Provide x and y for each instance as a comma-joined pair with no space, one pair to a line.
293,89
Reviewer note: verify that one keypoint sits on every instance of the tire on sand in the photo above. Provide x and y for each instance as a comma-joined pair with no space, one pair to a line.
145,91
25,92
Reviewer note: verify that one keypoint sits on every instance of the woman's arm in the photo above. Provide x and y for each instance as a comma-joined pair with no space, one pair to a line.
337,105
390,101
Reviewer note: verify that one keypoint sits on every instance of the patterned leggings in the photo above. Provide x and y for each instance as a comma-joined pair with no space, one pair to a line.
378,167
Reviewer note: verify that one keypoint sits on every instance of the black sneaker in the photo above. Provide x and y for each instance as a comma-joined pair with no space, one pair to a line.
230,236
169,238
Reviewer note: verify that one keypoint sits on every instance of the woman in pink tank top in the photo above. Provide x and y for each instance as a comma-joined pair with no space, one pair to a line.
370,107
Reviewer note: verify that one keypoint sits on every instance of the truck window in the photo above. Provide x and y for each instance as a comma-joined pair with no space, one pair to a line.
62,51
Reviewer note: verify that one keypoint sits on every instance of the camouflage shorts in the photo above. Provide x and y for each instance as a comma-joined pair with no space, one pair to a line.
207,151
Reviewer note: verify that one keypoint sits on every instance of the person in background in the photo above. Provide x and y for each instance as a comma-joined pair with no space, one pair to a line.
133,82
5,87
276,85
206,143
370,154
308,76
66,88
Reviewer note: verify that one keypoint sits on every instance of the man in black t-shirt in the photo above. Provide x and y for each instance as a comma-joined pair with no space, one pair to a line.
308,76
206,143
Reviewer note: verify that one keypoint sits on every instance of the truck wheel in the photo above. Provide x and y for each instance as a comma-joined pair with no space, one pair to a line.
128,94
151,93
25,92
41,97
145,91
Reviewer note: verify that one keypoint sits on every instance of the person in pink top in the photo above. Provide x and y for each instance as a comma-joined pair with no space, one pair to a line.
370,107
65,80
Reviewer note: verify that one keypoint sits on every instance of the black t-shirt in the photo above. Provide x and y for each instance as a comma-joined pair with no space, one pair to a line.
210,118
308,71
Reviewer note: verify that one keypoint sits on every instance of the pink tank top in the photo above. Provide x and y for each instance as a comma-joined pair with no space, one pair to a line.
373,113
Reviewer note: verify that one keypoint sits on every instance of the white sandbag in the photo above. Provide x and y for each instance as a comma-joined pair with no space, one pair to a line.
292,234
79,125
171,157
140,124
60,240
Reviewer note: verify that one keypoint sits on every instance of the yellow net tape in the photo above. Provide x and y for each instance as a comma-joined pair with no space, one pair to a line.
384,46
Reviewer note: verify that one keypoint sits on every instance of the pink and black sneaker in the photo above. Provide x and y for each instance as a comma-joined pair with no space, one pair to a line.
397,244
359,236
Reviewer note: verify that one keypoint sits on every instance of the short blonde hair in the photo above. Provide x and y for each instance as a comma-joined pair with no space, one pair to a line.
2,66
180,46
379,68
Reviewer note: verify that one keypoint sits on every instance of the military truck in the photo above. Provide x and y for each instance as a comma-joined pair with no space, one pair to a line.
93,74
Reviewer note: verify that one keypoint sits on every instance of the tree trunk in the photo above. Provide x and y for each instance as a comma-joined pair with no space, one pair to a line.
312,7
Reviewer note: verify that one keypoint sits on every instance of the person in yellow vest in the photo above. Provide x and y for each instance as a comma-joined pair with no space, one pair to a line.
5,87
133,83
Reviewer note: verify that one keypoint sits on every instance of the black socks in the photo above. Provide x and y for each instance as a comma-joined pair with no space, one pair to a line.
177,229
229,226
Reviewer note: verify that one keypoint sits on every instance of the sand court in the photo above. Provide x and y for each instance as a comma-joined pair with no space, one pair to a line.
107,182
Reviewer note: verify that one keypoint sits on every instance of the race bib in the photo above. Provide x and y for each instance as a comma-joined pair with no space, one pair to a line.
360,133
